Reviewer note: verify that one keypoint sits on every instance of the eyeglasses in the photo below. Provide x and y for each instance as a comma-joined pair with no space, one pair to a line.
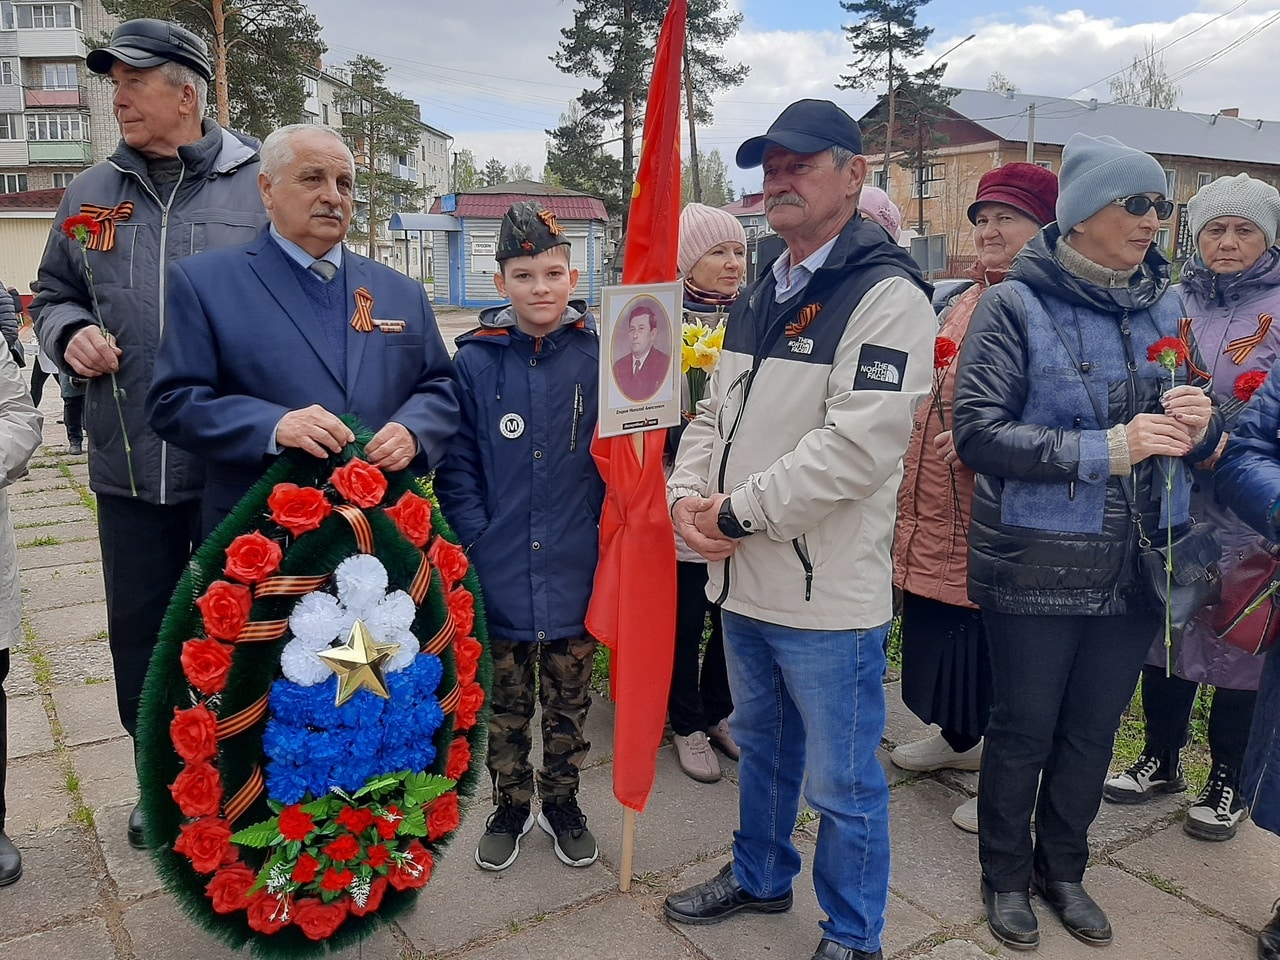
1140,203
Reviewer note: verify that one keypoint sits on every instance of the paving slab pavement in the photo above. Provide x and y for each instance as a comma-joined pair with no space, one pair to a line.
86,895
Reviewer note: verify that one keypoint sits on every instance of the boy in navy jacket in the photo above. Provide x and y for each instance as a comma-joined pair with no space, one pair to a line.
520,488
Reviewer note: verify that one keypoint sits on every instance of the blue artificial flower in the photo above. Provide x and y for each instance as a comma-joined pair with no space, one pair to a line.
286,783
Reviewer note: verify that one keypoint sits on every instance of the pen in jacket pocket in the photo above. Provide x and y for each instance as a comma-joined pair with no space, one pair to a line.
577,413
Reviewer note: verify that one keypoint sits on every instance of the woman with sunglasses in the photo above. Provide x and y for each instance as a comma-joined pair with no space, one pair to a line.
1056,404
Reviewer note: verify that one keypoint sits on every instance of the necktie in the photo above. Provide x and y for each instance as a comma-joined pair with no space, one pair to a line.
635,368
324,269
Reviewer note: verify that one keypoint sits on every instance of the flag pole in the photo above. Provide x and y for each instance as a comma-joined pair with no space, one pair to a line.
629,815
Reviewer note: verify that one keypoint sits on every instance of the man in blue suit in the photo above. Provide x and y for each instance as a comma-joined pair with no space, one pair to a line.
267,343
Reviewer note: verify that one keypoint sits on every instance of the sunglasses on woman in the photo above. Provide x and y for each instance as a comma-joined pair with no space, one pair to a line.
1140,203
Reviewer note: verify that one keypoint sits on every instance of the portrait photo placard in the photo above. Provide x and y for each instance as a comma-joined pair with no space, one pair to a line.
639,358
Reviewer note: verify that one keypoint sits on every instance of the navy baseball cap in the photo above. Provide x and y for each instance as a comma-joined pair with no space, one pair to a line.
806,126
149,43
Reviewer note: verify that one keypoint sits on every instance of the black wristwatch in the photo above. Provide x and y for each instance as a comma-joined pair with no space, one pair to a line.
728,522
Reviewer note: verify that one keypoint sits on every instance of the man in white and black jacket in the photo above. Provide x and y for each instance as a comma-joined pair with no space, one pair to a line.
787,481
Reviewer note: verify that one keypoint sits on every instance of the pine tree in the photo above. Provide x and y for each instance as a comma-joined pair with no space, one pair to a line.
705,71
259,49
576,159
494,173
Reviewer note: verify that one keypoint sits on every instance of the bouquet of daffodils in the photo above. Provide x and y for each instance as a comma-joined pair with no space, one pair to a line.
699,352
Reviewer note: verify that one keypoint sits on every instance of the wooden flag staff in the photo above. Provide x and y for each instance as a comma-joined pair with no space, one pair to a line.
629,815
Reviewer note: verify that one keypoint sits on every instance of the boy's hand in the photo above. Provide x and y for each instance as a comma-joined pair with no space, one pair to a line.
393,447
695,520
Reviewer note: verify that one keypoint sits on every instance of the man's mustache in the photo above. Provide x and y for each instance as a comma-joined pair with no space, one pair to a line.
784,200
327,212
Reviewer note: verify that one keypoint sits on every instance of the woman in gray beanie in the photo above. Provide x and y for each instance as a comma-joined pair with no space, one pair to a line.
1055,403
1231,290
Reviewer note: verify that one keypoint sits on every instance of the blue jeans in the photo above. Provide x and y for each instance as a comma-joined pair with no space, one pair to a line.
836,719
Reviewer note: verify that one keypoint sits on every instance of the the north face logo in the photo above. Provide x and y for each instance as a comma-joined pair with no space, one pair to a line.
880,368
802,345
881,372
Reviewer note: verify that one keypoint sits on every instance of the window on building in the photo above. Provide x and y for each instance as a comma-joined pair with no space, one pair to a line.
1163,237
1203,179
1170,183
324,114
310,85
927,181
57,126
45,16
8,72
63,179
13,182
10,126
60,76
878,179
1047,164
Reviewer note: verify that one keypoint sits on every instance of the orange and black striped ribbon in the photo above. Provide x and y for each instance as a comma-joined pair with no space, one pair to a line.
289,586
1240,348
1184,334
107,218
262,630
450,701
235,808
362,319
437,644
242,720
803,319
421,581
359,526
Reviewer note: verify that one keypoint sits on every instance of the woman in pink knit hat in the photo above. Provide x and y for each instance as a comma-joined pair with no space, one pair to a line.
713,261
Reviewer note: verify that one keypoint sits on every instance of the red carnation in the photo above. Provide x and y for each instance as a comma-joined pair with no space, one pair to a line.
459,759
252,557
305,870
229,888
335,880
944,351
225,609
462,605
388,825
466,658
377,855
343,849
450,560
360,482
295,823
298,509
355,819
413,873
412,514
194,732
198,790
206,843
469,705
81,227
372,904
319,920
206,664
266,913
443,815
1247,383
1169,352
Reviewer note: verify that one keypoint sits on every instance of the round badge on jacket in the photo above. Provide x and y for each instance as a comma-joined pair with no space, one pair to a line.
511,425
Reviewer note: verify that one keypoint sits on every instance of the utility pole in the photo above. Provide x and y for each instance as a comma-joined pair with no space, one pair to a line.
1031,133
693,136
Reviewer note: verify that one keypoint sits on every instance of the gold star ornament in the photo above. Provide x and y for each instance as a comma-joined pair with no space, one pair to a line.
359,663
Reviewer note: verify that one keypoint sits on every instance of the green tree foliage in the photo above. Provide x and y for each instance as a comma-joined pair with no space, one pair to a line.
519,171
260,49
999,83
1146,82
465,174
494,173
713,174
578,160
379,125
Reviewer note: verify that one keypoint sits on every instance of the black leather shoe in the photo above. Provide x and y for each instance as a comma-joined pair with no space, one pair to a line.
1011,919
10,862
1269,937
718,898
137,829
1082,917
830,950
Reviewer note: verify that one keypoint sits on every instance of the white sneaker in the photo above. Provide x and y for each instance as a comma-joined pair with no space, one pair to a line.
934,753
696,757
966,816
1217,812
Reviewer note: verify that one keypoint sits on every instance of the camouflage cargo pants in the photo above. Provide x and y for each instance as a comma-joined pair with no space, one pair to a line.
562,684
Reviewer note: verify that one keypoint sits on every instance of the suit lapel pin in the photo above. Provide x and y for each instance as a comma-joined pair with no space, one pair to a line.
362,319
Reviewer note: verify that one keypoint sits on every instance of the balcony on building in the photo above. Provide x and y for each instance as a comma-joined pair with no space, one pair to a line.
40,97
42,30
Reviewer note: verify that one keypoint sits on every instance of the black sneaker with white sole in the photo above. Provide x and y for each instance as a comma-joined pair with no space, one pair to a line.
564,820
1147,777
500,845
1217,812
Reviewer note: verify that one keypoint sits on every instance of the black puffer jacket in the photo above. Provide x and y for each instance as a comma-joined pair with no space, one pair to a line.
1052,532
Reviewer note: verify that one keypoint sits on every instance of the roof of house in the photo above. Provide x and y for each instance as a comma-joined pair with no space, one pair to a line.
493,201
750,205
1178,133
36,201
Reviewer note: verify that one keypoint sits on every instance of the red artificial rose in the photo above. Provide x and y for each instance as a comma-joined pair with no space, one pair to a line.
462,605
360,482
944,351
253,557
377,855
266,913
305,870
469,705
206,843
378,888
298,509
459,758
194,732
343,849
443,815
206,663
466,658
1169,352
229,888
388,825
450,560
225,609
412,515
319,920
72,227
415,872
295,823
355,819
335,880
198,790
1247,383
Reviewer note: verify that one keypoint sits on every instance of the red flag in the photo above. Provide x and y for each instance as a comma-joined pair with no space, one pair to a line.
633,604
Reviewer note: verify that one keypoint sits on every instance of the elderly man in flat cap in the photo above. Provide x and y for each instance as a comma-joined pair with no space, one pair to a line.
788,483
177,184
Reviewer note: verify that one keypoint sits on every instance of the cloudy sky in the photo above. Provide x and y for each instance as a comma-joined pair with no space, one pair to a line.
481,69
